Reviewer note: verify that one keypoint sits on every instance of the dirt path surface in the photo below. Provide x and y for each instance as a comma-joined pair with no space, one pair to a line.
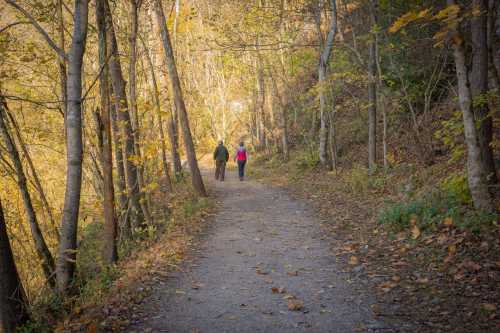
260,239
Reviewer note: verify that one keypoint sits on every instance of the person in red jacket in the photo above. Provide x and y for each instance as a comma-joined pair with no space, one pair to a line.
241,159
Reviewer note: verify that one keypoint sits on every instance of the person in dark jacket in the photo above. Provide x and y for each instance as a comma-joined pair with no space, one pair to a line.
221,156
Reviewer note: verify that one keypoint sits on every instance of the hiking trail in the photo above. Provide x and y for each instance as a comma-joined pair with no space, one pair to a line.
263,265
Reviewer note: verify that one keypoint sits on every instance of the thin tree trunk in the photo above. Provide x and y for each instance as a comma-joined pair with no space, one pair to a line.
493,42
179,101
475,169
34,173
156,97
41,247
372,97
479,86
261,112
110,252
324,58
332,139
62,63
66,261
172,126
134,26
496,40
173,134
124,225
124,124
13,302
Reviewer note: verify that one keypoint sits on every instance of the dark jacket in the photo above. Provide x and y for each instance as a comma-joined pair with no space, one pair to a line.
221,153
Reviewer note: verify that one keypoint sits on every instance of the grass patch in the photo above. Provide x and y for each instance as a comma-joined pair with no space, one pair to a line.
431,210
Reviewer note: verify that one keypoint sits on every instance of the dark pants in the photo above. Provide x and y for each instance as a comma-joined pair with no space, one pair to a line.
220,170
241,168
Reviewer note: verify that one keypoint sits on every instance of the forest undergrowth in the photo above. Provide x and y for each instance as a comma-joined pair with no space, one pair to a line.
109,299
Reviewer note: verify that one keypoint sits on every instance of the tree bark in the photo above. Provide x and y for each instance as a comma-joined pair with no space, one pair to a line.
62,62
124,224
494,43
179,101
475,169
66,262
110,252
324,58
125,129
13,302
372,97
479,85
41,247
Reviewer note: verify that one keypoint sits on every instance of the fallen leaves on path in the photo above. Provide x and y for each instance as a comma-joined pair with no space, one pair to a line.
295,304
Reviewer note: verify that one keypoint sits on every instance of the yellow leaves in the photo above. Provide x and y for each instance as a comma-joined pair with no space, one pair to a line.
408,18
447,13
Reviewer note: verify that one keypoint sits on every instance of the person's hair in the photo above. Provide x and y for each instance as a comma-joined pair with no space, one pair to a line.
221,142
241,144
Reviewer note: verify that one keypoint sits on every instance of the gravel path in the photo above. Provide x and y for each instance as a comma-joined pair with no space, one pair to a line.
261,239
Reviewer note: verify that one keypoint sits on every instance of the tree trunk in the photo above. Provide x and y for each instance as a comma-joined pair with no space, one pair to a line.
496,40
34,173
261,112
172,125
125,129
134,25
323,129
13,302
494,43
479,86
179,101
325,53
124,225
475,169
110,252
156,97
41,247
173,134
372,98
61,62
66,261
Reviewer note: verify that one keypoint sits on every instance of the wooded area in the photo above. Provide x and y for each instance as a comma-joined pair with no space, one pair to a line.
101,102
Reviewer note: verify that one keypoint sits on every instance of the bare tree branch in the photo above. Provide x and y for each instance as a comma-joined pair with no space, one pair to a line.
38,27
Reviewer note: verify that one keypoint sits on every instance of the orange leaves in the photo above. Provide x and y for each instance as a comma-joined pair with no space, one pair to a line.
353,260
278,290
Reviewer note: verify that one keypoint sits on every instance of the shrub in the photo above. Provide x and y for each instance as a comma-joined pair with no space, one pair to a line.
307,159
359,180
457,187
431,210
